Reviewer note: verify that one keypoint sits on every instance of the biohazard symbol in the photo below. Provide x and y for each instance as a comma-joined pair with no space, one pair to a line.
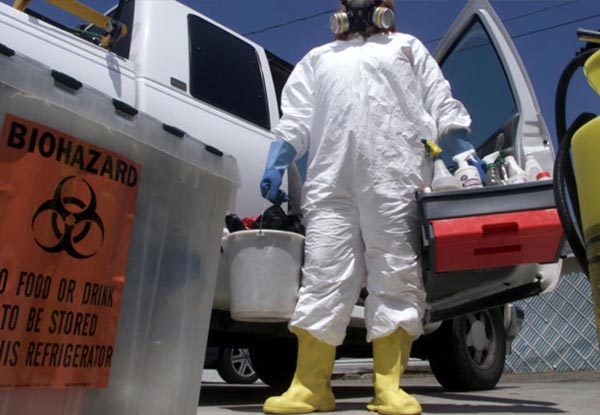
68,223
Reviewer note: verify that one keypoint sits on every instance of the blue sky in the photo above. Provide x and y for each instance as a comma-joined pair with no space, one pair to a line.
544,32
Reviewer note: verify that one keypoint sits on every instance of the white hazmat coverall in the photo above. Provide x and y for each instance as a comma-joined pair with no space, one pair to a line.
360,108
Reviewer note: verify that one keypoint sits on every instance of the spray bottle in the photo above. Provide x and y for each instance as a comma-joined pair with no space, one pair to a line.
466,174
493,174
515,173
475,161
501,166
442,179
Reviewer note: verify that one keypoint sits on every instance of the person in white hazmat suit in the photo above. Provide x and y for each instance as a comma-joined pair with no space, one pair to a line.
360,106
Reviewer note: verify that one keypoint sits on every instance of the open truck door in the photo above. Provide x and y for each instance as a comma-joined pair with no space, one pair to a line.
487,247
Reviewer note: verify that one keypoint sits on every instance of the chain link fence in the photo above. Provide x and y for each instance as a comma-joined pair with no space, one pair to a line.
559,330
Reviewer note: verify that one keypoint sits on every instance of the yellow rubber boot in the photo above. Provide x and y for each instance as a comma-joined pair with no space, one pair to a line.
310,390
390,356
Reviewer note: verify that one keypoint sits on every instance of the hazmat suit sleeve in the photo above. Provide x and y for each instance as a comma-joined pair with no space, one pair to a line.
297,106
449,113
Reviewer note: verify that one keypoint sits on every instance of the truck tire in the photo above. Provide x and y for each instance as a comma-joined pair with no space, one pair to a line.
468,352
275,363
235,366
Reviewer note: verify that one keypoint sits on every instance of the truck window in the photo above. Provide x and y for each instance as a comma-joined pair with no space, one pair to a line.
280,70
478,80
225,72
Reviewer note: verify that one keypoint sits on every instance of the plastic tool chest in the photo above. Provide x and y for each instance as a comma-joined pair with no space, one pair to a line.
490,227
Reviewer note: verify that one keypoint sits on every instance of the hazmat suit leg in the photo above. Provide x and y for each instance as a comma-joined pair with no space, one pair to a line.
310,389
395,304
390,356
390,231
396,293
333,271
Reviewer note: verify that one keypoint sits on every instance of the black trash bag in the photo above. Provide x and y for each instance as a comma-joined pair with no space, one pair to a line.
275,218
272,218
234,223
295,224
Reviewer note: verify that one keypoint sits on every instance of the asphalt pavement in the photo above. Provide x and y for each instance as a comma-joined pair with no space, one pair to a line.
542,393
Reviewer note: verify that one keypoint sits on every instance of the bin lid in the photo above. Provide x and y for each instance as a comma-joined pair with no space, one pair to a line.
35,80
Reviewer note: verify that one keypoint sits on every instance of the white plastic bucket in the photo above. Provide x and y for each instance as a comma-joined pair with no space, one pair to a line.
264,274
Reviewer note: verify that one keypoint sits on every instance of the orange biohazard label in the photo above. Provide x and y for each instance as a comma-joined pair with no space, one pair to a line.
66,215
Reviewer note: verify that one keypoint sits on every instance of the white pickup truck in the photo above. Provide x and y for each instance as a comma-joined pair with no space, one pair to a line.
206,81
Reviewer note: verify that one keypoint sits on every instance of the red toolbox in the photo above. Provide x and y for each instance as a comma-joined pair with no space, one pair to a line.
490,227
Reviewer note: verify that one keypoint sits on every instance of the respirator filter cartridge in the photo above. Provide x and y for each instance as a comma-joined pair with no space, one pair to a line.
339,23
382,18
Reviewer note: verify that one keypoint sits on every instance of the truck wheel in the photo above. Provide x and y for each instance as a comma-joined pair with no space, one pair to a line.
235,366
468,352
275,364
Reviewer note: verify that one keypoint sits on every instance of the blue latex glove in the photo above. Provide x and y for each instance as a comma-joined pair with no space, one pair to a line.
455,142
269,186
281,154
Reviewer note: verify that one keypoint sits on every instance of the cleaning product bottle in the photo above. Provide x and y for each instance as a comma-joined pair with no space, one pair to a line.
532,167
492,173
501,166
467,175
490,158
515,173
475,161
493,176
442,180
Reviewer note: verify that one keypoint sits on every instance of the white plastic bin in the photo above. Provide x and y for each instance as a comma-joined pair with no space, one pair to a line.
264,272
160,316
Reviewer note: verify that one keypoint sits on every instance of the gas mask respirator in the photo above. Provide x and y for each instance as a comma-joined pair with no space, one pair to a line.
359,15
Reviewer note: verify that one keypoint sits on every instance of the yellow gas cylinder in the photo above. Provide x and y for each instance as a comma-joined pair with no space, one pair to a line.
586,153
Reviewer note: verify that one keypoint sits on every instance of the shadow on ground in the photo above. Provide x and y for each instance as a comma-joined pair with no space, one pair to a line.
435,399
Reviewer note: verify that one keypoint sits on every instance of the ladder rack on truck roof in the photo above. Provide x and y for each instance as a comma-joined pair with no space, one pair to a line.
114,29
